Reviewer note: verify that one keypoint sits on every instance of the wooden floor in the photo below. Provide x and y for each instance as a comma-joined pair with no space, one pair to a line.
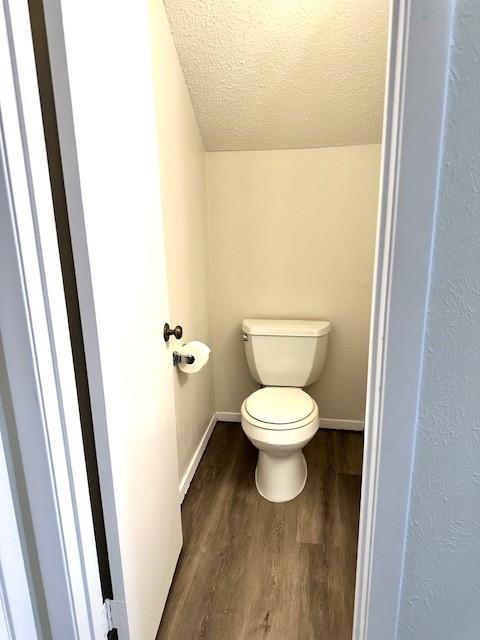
251,569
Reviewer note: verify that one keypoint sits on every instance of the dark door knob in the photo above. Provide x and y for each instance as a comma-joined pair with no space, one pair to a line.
167,332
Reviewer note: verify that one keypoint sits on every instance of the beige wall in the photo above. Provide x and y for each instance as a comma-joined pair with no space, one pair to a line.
289,234
292,235
183,185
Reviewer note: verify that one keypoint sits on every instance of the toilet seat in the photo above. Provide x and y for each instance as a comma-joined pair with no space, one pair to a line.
280,438
297,405
279,407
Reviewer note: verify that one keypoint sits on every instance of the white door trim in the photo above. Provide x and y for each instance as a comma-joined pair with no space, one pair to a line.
38,362
413,126
18,607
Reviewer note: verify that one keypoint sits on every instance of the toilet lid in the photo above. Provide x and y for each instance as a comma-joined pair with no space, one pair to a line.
279,405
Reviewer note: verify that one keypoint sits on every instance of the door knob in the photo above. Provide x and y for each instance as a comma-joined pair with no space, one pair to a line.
167,332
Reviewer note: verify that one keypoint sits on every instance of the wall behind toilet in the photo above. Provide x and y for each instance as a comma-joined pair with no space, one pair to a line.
292,235
286,233
184,201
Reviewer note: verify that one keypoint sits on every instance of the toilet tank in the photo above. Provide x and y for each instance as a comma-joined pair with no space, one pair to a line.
285,353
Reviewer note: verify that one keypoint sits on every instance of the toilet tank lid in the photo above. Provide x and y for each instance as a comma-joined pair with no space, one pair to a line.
263,327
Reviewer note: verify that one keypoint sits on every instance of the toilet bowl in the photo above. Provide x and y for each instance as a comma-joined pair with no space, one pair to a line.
280,421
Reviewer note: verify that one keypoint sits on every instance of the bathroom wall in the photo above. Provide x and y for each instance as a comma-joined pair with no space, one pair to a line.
292,234
442,558
183,188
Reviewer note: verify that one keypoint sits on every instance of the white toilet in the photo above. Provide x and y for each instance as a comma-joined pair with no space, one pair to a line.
280,419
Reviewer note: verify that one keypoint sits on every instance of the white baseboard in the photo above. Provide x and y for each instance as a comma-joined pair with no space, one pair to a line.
343,425
234,416
228,416
325,423
197,456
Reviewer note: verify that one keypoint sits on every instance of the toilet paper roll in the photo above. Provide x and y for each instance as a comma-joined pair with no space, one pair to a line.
199,351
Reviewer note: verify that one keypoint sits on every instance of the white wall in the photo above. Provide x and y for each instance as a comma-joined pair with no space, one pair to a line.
292,235
184,200
441,584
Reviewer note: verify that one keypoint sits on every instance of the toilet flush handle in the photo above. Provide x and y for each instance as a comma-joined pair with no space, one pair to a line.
245,337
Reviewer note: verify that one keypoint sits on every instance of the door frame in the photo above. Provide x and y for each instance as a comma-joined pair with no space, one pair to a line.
416,87
18,608
37,382
413,126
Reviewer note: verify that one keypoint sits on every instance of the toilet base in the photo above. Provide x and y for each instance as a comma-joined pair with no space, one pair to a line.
280,478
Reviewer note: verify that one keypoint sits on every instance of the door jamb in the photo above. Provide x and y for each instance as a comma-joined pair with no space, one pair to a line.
415,99
44,420
18,605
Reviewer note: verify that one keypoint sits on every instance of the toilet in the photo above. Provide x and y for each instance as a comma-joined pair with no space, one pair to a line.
281,418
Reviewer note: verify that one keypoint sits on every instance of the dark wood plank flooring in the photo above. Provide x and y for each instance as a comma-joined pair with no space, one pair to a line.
251,569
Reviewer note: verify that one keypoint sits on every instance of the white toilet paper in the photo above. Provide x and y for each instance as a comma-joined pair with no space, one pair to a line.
199,351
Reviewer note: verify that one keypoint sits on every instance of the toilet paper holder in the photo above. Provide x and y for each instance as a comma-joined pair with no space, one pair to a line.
179,357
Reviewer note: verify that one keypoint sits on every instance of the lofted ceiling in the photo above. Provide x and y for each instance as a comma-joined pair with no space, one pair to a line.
281,74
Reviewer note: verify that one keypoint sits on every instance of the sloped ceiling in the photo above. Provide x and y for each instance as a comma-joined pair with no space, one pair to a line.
280,74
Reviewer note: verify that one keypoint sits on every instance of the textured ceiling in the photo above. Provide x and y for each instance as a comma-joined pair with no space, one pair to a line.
279,74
